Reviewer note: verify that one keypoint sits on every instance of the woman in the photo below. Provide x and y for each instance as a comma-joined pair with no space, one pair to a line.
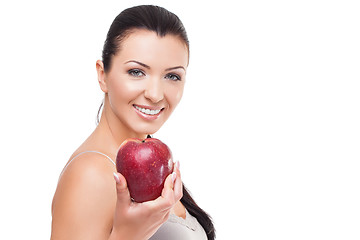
142,74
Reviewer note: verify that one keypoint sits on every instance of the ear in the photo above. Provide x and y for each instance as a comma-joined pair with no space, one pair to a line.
101,75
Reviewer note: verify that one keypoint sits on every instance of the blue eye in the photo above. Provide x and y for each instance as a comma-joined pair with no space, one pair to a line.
136,73
173,77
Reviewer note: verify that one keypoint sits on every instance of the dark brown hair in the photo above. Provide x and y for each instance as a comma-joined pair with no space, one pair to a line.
152,18
162,22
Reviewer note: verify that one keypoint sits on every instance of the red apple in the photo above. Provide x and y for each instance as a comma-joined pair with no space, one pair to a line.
145,164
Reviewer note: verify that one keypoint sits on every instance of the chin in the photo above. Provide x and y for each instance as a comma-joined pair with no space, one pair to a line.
145,130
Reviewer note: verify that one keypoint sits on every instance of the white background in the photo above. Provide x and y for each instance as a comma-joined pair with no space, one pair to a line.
267,132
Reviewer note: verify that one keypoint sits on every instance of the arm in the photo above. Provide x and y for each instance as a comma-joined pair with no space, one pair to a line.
84,202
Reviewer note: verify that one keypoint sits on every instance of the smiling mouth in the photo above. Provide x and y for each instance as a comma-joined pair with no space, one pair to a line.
147,111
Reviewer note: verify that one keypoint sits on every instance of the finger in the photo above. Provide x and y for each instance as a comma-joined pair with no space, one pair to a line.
178,188
177,169
122,191
166,200
169,185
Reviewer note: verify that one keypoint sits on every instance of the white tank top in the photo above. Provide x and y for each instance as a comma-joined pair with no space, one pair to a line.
175,228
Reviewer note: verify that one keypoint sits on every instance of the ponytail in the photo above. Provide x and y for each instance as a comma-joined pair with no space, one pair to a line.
202,217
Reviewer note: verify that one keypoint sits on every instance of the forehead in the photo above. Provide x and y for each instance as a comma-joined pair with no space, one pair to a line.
146,46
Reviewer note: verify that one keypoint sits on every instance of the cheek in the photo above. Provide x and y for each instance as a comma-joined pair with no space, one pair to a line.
124,91
174,95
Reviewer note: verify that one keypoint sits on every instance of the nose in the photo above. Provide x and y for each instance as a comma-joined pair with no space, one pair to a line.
154,90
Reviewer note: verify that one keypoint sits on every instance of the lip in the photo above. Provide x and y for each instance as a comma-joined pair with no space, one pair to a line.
148,107
146,116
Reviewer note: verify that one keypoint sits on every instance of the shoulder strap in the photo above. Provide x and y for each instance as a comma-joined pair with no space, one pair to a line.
87,152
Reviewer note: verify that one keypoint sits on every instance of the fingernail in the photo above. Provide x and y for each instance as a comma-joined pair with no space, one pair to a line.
173,176
116,177
177,165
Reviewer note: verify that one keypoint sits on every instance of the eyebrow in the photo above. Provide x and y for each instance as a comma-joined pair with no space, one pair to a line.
140,63
148,67
172,68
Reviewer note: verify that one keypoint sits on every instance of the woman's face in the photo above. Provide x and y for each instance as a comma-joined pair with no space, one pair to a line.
146,80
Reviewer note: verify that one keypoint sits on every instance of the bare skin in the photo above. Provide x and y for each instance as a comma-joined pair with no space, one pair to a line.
90,203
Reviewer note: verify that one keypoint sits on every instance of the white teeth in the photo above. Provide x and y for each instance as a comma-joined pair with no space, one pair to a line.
147,111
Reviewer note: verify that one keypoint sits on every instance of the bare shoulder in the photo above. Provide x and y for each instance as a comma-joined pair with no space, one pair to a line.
85,198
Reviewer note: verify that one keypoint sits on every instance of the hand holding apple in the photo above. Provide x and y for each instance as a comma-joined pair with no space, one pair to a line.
145,164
